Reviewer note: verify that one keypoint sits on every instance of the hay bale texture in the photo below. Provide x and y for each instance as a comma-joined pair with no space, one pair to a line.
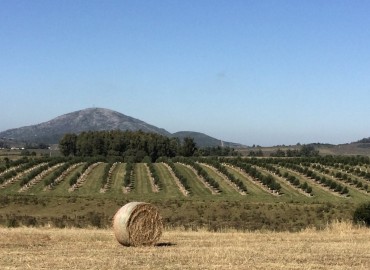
137,224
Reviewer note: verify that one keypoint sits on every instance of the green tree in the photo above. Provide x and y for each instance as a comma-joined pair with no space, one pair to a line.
188,147
308,151
292,153
174,146
7,162
257,153
67,144
278,153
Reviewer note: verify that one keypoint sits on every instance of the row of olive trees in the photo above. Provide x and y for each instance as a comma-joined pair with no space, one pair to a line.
128,178
18,169
154,174
8,163
222,169
346,177
27,178
107,171
321,179
183,180
266,179
292,179
59,175
200,171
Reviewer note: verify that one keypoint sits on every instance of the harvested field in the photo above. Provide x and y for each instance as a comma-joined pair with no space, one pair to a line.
341,246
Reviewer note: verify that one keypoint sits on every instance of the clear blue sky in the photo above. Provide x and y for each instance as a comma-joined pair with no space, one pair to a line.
253,72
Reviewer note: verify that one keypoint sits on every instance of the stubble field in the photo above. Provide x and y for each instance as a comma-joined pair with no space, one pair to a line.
339,246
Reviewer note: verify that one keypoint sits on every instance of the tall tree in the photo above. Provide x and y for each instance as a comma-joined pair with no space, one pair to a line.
308,151
188,147
67,144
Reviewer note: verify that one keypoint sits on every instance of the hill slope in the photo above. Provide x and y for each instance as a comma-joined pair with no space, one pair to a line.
96,119
76,122
203,140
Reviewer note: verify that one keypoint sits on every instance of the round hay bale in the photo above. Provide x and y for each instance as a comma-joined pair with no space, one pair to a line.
137,224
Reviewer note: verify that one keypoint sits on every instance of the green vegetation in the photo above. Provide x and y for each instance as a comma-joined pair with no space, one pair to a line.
200,171
131,145
267,180
183,180
362,214
127,180
141,182
280,193
106,174
134,146
168,185
154,175
304,151
223,170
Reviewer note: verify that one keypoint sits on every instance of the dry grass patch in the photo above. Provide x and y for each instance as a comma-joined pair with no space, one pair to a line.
341,246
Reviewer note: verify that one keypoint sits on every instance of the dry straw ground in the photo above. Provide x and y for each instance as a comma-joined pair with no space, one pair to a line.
341,246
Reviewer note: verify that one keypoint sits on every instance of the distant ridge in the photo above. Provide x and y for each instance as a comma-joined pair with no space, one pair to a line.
97,119
204,140
91,119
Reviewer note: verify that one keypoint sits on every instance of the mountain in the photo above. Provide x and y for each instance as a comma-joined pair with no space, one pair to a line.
96,119
203,140
93,119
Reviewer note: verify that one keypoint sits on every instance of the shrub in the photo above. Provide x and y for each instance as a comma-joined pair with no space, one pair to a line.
362,214
12,222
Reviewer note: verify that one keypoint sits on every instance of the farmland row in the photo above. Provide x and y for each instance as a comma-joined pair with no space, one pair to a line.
236,178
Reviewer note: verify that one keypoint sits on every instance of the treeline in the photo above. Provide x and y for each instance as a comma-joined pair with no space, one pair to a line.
132,146
216,151
364,140
304,151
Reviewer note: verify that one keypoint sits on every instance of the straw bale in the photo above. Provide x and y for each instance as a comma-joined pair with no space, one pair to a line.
137,224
